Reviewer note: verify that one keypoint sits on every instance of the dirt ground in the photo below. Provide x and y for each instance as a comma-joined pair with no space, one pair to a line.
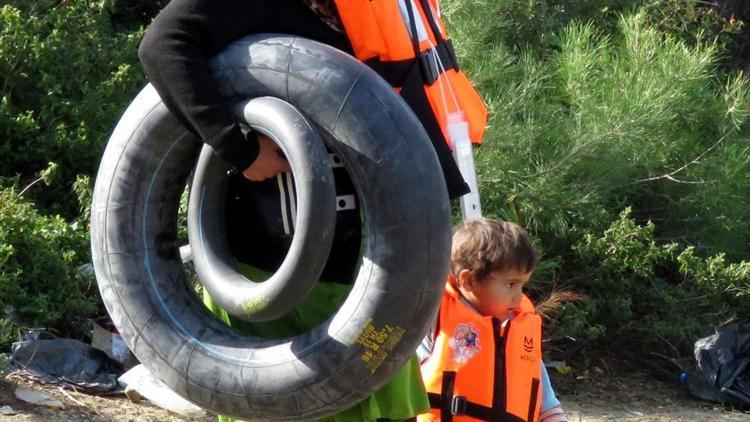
636,398
80,406
621,398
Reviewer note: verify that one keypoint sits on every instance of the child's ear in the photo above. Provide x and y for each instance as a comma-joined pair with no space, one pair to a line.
466,280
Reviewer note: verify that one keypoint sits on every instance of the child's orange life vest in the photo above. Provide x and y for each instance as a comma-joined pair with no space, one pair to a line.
405,42
479,369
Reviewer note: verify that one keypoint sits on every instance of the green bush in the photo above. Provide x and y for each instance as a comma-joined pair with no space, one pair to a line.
593,114
39,286
642,295
533,24
68,69
607,123
67,75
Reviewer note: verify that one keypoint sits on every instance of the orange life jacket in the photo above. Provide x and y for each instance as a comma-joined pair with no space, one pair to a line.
480,369
405,42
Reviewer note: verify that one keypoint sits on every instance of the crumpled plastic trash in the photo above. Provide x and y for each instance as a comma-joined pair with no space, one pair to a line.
723,361
140,379
67,360
38,398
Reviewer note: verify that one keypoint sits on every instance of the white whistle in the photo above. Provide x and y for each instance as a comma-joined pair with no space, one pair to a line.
458,132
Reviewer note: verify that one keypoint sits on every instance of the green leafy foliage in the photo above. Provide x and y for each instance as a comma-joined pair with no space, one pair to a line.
644,295
66,75
605,123
39,286
67,71
620,139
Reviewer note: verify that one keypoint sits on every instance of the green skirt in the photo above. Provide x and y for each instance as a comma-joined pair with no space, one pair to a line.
403,397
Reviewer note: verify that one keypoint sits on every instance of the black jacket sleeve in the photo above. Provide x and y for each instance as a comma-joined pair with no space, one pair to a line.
183,37
175,55
179,43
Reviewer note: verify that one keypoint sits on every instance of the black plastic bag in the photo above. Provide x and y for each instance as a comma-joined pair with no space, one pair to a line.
67,360
723,361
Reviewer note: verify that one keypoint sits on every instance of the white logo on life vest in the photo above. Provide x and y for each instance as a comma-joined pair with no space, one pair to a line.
465,342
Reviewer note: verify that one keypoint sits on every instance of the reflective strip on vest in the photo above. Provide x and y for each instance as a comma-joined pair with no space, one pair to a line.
421,30
480,371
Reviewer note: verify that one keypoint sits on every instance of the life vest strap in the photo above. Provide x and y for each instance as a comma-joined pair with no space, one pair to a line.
446,56
444,47
460,406
395,72
431,20
534,398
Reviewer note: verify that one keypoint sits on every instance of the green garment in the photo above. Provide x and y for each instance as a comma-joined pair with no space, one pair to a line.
401,398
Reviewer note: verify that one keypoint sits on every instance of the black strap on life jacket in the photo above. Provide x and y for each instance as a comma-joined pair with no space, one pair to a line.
445,397
442,42
534,398
395,72
432,62
444,48
409,76
451,405
500,337
414,94
432,67
460,406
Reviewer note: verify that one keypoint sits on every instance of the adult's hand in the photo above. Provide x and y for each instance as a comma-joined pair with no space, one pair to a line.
269,163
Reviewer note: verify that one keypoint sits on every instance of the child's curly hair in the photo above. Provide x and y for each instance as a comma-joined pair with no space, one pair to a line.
485,245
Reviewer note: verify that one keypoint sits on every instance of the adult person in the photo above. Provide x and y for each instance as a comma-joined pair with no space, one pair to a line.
175,54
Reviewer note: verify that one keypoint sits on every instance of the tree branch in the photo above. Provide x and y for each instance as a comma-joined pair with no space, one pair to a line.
696,160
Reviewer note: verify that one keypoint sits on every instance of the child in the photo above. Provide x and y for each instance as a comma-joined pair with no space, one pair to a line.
483,360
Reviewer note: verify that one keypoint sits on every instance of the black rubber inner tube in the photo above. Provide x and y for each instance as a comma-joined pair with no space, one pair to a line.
316,217
406,243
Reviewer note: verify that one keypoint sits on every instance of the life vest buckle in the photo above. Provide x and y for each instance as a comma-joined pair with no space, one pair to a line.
458,405
429,67
436,61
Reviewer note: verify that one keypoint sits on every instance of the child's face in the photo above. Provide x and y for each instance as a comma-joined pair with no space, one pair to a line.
498,294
